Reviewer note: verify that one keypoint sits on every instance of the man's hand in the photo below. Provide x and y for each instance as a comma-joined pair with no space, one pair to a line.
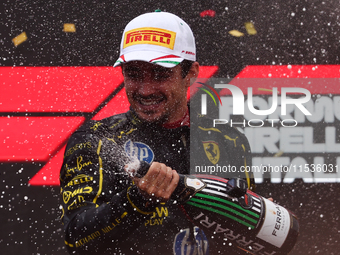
159,182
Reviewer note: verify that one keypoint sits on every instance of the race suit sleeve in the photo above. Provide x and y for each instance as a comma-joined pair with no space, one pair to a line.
100,205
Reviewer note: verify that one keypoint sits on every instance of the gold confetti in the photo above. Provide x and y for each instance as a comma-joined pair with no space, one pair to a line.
262,89
69,28
278,154
269,90
236,33
250,28
19,39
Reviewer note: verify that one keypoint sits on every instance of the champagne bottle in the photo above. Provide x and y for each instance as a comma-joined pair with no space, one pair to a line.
248,221
228,211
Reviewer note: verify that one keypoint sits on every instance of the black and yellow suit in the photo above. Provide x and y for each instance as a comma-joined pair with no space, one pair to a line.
104,213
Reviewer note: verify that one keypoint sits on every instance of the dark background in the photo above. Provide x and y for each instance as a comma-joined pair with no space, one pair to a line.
289,32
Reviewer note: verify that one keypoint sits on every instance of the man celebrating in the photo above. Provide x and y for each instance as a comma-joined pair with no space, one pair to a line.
106,208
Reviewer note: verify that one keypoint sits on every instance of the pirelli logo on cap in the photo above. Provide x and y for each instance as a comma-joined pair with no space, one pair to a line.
150,35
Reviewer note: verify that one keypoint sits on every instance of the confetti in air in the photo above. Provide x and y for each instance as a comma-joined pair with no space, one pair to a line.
236,33
250,28
19,39
210,13
69,28
278,154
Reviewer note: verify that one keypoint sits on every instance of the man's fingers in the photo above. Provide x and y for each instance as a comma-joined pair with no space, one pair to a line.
163,182
159,182
174,182
150,182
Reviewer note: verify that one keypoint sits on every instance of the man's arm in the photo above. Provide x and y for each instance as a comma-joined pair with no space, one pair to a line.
98,205
102,206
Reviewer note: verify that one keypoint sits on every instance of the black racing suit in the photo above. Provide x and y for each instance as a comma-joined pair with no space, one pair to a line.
103,211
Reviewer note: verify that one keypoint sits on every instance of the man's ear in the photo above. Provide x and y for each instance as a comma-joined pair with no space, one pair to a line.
192,74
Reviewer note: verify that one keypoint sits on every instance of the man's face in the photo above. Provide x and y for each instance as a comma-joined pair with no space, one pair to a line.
156,94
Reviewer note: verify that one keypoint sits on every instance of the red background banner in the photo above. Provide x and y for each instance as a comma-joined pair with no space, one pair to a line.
56,80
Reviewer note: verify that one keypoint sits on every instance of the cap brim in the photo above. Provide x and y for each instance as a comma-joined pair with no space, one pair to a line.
153,57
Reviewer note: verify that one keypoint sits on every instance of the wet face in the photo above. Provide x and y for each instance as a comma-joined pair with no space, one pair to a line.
157,94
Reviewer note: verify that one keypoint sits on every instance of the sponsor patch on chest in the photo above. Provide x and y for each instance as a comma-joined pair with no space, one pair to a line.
139,150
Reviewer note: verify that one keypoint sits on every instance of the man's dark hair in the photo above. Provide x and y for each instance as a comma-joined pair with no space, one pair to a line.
186,65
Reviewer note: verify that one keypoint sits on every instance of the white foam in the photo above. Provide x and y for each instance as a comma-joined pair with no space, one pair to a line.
132,167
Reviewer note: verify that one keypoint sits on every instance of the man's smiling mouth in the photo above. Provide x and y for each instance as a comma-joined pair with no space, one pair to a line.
150,101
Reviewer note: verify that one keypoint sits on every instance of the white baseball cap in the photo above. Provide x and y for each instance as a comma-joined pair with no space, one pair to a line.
160,38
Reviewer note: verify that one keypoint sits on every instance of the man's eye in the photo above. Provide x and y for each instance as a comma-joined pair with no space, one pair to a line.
134,75
162,75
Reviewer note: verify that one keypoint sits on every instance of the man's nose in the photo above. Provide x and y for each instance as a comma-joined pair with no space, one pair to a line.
147,87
